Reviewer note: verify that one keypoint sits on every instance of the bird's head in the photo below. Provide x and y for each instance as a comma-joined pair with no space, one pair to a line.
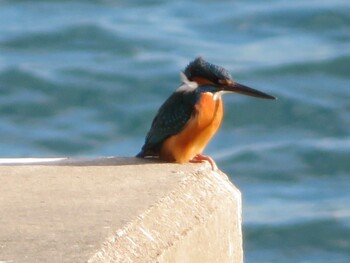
212,78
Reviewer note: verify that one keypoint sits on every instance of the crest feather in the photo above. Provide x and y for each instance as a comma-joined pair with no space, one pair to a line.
203,69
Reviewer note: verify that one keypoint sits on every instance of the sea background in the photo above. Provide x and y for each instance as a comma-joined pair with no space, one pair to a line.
85,78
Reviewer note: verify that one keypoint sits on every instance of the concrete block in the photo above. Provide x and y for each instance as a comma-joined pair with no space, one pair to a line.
117,210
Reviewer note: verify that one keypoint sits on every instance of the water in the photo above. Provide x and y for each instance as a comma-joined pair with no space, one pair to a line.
85,78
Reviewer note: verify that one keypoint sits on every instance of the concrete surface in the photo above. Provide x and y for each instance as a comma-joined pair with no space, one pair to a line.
117,210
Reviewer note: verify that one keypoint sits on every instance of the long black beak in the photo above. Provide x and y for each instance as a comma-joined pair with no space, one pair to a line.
239,88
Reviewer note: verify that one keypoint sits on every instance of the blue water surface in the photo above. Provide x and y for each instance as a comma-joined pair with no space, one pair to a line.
85,78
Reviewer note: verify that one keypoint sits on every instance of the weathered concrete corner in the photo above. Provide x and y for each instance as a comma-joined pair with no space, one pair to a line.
118,210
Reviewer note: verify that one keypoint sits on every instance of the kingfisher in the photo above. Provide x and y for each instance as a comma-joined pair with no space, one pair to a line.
190,117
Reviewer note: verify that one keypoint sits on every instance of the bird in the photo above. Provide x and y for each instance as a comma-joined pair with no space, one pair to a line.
189,118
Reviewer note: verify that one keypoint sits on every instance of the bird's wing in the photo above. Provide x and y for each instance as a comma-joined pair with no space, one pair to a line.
170,120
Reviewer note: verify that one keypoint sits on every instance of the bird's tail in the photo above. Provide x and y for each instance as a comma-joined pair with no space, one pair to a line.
141,154
147,154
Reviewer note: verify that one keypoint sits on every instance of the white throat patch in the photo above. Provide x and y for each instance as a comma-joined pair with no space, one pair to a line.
187,85
217,95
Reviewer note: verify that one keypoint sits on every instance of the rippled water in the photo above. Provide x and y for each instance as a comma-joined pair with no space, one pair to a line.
85,78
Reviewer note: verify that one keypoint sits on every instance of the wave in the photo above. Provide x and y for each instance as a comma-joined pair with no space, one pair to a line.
337,66
303,236
79,37
329,144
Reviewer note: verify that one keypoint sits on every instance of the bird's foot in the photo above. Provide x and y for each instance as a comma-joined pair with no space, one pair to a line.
199,158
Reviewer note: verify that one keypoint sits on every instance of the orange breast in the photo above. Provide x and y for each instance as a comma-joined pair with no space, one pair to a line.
197,133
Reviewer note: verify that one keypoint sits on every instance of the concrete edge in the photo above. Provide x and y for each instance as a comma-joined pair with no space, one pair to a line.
159,230
74,161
